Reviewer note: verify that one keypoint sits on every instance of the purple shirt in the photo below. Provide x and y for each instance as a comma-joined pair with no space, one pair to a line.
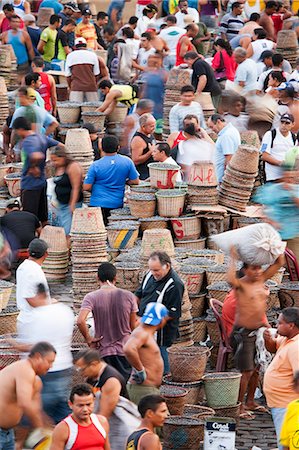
111,309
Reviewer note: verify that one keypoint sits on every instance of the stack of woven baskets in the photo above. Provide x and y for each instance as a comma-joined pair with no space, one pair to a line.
287,44
239,178
202,184
205,101
56,264
88,249
4,107
115,120
8,66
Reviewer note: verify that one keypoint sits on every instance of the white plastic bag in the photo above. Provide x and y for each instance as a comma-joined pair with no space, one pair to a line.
257,244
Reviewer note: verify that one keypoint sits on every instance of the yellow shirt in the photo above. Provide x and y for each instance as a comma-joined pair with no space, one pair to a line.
278,380
88,32
289,435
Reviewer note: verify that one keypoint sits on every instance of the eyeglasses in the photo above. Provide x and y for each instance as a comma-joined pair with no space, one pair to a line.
80,369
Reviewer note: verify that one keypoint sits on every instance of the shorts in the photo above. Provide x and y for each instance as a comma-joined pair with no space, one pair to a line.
65,216
36,202
119,363
138,391
7,439
243,344
118,5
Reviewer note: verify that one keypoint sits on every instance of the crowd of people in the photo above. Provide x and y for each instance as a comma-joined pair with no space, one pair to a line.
231,55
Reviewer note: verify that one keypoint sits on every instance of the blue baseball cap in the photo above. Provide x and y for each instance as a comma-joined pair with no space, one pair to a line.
154,314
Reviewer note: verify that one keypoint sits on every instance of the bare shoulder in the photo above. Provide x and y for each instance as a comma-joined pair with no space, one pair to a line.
150,441
61,432
104,422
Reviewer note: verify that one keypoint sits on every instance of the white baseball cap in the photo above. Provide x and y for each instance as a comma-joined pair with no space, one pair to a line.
80,41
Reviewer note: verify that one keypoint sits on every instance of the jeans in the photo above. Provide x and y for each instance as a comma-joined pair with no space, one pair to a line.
118,5
278,416
164,354
55,394
7,439
169,62
65,216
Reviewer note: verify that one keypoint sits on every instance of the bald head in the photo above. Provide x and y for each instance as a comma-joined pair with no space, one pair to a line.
240,54
147,123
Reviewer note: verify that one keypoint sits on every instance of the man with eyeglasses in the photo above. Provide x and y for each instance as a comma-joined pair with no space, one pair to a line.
275,145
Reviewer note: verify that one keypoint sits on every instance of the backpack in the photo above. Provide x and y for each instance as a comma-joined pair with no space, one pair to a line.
295,137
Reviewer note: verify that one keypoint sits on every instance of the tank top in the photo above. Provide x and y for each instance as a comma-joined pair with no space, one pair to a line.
129,94
92,437
179,59
133,442
45,90
19,48
180,137
109,372
142,168
19,9
63,189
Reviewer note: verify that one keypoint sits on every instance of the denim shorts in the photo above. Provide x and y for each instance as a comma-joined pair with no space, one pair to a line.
65,216
55,394
7,439
118,5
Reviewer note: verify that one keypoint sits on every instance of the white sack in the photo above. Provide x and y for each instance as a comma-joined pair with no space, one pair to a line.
256,244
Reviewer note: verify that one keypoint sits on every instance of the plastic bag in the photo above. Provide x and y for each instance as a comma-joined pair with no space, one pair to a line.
256,244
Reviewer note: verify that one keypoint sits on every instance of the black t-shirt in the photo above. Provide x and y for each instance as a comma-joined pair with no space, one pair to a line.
110,372
172,299
19,227
100,37
61,36
201,67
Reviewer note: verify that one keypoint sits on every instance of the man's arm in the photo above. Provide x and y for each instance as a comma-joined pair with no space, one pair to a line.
29,45
150,442
51,128
202,81
184,46
270,342
60,436
249,51
53,94
137,147
133,182
231,273
27,386
81,322
41,46
131,349
109,102
133,320
270,159
103,69
110,393
271,270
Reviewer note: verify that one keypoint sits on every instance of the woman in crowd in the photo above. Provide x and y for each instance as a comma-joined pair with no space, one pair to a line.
272,82
223,62
68,187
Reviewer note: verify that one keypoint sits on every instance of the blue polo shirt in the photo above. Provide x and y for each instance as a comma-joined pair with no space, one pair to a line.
52,4
227,143
108,177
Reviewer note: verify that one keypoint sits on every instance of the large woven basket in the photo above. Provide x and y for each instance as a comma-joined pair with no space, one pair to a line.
289,294
122,237
153,222
219,290
213,330
214,255
119,114
69,112
90,106
199,329
193,279
184,433
232,412
7,354
163,176
8,320
55,238
287,39
194,388
94,117
13,181
188,363
43,16
186,227
175,398
127,275
142,205
202,173
222,388
156,240
197,244
87,220
198,303
170,202
5,293
216,273
273,298
246,159
198,411
4,170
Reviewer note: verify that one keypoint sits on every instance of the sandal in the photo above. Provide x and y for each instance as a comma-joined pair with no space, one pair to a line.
247,415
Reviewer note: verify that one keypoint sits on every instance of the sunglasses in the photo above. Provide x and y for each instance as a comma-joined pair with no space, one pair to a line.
285,122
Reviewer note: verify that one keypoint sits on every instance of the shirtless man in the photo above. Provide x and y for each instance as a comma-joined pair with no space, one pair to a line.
153,411
20,388
266,21
81,429
252,295
144,355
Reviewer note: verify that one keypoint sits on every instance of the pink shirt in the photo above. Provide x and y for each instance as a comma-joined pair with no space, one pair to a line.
229,64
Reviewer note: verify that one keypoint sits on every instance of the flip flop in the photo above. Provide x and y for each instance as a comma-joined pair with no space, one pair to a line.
247,415
260,409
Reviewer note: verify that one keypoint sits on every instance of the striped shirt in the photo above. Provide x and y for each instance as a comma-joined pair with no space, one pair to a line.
88,32
231,25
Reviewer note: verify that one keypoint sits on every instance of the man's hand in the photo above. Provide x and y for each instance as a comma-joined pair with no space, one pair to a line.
93,342
139,376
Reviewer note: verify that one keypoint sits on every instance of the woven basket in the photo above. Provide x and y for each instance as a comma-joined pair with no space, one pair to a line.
198,303
193,281
175,398
250,137
197,244
222,388
102,54
7,354
287,39
198,411
5,61
127,275
5,293
213,331
180,432
43,17
246,159
150,223
188,363
122,237
163,176
13,181
278,277
90,107
202,173
94,117
142,205
170,202
289,294
195,388
219,290
119,114
214,274
87,220
199,329
69,112
156,240
232,412
143,188
4,170
273,299
55,238
186,227
8,320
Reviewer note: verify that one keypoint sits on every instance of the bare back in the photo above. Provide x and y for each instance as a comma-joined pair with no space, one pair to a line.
251,304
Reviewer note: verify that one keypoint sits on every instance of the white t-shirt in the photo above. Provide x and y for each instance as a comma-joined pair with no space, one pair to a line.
29,274
246,71
170,160
259,46
143,55
143,24
52,323
171,36
134,45
195,150
180,17
263,76
281,145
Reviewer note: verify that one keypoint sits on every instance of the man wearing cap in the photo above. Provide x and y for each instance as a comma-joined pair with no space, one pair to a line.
19,227
82,71
62,43
162,285
265,62
275,145
69,9
143,353
33,31
86,30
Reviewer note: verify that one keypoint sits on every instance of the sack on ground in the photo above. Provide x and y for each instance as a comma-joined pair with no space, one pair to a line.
256,244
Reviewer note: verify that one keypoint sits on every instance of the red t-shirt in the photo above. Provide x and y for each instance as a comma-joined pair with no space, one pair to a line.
228,62
180,137
45,91
278,22
5,25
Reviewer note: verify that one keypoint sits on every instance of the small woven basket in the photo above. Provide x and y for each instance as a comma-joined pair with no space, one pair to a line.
94,117
7,354
222,388
186,227
196,244
122,237
194,388
90,107
150,223
142,205
192,280
202,173
198,411
8,320
156,240
198,303
232,412
188,363
199,329
219,290
170,202
163,176
245,160
13,181
175,398
214,255
127,275
287,39
119,114
180,432
69,112
289,294
217,273
5,293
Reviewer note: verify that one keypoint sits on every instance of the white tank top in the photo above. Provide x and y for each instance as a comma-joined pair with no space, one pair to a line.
73,429
259,46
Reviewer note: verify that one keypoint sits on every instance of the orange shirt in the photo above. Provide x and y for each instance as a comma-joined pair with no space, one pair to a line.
278,381
88,32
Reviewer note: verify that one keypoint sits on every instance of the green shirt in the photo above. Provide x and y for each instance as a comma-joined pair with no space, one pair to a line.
49,37
203,31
